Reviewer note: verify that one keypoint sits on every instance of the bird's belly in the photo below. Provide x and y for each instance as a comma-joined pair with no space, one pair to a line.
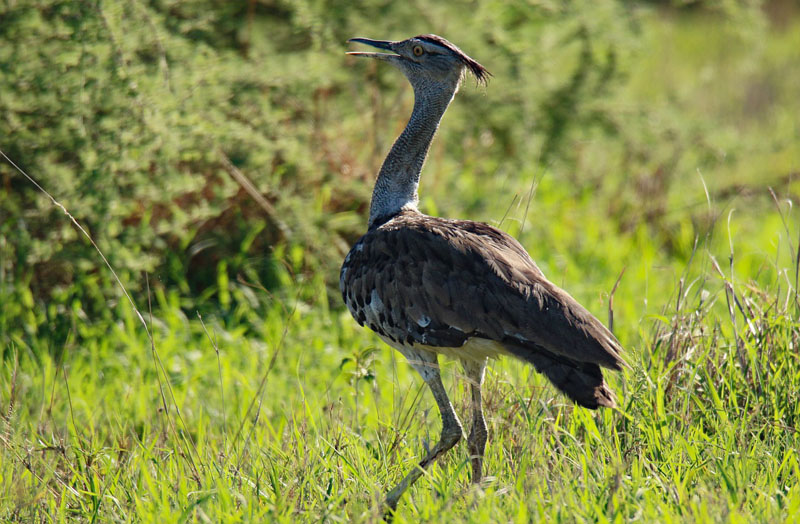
476,349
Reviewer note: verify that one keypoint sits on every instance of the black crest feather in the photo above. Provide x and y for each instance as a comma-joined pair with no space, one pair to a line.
481,73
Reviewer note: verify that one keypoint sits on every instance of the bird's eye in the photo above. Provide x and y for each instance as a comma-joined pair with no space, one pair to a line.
418,50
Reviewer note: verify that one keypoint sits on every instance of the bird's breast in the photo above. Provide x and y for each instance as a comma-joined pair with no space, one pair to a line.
475,349
399,322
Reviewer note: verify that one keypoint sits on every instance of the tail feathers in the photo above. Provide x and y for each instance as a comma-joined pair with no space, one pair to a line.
581,381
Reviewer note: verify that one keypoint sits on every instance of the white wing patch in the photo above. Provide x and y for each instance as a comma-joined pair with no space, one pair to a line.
375,303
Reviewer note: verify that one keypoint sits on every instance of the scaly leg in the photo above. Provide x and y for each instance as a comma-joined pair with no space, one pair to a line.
426,363
479,434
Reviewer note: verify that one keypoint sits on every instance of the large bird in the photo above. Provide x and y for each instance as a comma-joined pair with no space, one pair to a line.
430,286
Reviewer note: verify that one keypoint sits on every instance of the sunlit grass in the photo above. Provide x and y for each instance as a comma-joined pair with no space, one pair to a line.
306,416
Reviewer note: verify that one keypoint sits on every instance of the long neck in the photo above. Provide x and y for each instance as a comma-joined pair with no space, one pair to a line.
396,187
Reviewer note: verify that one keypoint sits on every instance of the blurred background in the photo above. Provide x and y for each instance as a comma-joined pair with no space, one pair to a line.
216,146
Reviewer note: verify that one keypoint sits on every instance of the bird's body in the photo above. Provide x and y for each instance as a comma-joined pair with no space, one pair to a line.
470,291
467,290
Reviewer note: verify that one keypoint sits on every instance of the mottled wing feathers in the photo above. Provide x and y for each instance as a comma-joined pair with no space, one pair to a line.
424,280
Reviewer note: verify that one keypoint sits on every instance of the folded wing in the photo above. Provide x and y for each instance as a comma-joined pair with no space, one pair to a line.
439,283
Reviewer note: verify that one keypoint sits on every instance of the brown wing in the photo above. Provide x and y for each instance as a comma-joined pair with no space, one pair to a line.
438,282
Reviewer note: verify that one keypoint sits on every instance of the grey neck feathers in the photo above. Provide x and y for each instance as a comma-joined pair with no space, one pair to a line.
396,187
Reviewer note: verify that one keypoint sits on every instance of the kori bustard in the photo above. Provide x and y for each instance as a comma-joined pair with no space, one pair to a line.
430,286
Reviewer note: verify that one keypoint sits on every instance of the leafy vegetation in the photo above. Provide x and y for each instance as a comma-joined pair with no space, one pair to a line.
221,156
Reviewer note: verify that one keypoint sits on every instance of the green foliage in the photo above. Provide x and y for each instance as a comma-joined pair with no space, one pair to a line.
131,115
134,115
613,137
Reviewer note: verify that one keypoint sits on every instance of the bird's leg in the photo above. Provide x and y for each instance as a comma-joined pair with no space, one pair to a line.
428,366
479,434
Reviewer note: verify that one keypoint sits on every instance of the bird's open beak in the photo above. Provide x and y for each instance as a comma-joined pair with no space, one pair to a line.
380,44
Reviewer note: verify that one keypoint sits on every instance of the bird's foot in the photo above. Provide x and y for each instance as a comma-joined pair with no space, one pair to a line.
390,506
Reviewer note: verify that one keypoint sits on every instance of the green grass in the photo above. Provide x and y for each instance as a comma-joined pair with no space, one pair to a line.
338,419
278,407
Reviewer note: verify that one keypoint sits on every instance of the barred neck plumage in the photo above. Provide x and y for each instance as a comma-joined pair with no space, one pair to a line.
396,187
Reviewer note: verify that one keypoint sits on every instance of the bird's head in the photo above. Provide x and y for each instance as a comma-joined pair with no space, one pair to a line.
428,61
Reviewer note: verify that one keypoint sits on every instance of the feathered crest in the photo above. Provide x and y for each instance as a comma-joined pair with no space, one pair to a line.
480,72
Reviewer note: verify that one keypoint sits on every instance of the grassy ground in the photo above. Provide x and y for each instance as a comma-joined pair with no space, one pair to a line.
280,408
